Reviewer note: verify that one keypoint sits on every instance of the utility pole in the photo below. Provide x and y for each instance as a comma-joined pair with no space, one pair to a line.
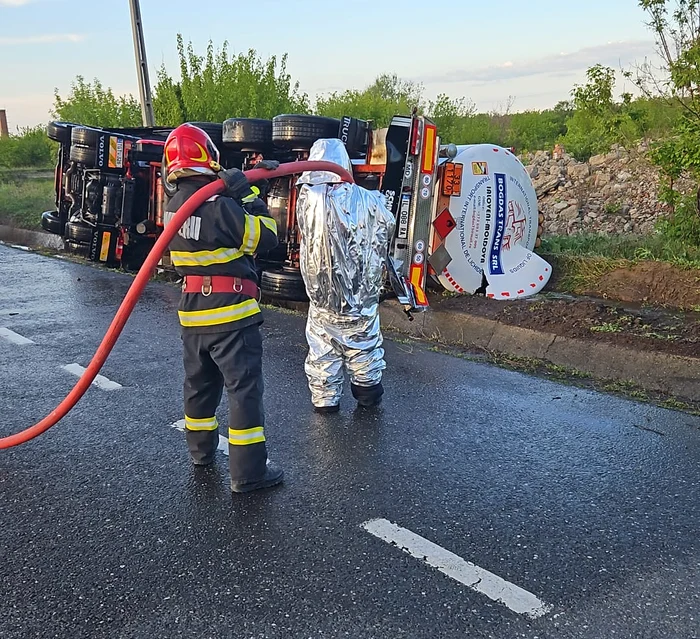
141,64
4,132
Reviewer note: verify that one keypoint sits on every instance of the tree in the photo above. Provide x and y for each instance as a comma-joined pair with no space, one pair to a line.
93,105
450,114
676,26
598,121
386,97
217,86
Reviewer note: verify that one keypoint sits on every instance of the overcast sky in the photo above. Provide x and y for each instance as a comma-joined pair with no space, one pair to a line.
533,50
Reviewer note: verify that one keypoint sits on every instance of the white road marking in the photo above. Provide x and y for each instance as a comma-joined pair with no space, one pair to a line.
13,337
99,381
467,573
20,247
223,442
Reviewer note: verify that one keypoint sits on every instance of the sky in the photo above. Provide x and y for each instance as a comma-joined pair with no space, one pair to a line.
486,52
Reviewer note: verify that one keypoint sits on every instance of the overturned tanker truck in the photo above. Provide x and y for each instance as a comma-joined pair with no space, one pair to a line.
466,216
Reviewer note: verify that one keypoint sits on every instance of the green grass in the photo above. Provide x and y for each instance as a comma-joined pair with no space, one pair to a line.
633,248
23,202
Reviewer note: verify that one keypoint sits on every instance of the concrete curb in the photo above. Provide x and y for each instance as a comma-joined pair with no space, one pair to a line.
24,237
654,371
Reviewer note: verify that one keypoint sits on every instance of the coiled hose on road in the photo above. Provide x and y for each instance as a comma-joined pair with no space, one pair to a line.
139,283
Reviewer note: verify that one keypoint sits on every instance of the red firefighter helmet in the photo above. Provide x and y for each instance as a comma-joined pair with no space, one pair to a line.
189,151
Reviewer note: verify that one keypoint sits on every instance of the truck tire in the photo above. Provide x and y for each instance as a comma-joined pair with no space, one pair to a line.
83,154
301,131
247,133
78,232
86,136
60,131
213,130
51,222
283,284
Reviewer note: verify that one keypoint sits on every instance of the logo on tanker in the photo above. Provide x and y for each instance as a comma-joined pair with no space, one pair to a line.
515,225
495,265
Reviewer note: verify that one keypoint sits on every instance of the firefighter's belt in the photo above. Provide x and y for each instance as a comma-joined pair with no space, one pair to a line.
208,284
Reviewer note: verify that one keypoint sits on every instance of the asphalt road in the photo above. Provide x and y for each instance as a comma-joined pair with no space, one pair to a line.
585,504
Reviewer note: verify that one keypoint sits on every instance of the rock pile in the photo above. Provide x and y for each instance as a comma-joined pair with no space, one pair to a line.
612,193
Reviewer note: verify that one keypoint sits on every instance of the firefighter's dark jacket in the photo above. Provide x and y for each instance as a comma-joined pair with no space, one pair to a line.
220,238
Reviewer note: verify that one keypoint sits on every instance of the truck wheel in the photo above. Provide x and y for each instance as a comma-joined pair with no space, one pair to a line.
51,222
247,133
60,131
86,136
83,154
79,232
301,131
213,130
283,284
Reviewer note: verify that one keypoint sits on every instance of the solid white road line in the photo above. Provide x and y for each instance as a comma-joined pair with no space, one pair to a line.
467,573
13,337
223,442
99,381
20,247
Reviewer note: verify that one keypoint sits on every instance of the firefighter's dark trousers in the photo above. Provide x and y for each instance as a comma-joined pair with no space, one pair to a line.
232,360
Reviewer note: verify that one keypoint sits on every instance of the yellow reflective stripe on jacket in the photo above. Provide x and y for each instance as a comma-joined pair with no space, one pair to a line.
251,237
208,423
269,223
221,315
245,437
205,258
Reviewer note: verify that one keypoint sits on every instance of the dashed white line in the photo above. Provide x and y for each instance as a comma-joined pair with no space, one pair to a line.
99,381
14,338
223,442
467,573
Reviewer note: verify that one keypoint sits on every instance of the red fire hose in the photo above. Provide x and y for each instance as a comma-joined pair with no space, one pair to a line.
140,282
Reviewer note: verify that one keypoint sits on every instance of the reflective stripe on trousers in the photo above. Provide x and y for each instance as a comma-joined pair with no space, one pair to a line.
208,423
244,437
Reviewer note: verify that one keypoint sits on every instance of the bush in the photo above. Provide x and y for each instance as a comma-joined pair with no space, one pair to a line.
31,148
683,225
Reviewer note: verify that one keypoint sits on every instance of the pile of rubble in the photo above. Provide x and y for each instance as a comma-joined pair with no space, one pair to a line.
612,193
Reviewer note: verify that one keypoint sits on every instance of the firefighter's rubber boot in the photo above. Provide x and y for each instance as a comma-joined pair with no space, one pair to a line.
327,410
273,475
367,396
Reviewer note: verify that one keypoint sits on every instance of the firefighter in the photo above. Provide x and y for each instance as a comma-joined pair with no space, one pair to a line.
345,233
218,310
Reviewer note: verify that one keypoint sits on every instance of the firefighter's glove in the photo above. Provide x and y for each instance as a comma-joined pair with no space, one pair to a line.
236,182
270,165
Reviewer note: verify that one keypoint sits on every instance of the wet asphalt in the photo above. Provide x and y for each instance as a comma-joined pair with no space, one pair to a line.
589,502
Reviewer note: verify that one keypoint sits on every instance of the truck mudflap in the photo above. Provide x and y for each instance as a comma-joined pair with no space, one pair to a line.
486,230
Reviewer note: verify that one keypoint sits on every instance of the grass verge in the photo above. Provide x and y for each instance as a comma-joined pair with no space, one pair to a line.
625,248
23,202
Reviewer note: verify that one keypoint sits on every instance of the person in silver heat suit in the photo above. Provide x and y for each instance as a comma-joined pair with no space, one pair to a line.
345,233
